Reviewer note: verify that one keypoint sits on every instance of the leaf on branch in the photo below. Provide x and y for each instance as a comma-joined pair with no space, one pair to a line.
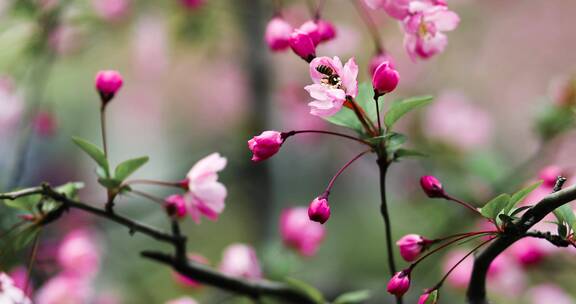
432,298
94,152
128,167
520,195
495,206
402,107
70,190
109,183
345,118
565,216
313,293
26,203
353,297
404,153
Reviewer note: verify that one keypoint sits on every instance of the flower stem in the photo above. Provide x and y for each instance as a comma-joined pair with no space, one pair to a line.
361,114
467,205
154,182
331,183
378,112
152,198
103,126
383,165
288,134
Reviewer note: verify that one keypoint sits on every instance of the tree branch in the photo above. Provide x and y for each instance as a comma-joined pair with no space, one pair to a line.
477,288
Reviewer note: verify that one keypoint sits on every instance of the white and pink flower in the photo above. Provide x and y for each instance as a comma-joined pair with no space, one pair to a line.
206,194
240,260
299,232
333,82
10,293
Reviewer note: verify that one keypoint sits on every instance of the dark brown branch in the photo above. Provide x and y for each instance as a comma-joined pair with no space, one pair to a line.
477,288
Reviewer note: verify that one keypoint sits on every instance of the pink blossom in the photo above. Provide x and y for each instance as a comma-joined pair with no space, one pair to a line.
79,254
424,29
319,210
65,39
311,29
277,34
385,79
549,293
10,293
329,92
326,30
549,175
299,232
107,84
240,260
302,45
432,186
411,246
175,206
265,145
529,251
192,4
206,195
182,300
64,289
460,276
111,10
399,283
45,123
11,103
377,60
186,281
20,277
453,119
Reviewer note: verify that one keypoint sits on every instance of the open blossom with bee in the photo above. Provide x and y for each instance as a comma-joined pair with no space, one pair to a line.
333,82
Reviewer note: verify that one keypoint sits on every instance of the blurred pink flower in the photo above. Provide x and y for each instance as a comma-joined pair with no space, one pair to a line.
192,4
549,293
240,260
112,10
310,28
332,83
79,254
175,206
11,103
45,124
295,112
549,175
530,251
151,47
10,293
206,195
64,289
65,39
326,30
186,281
460,277
19,276
182,300
299,232
302,45
454,120
277,34
424,29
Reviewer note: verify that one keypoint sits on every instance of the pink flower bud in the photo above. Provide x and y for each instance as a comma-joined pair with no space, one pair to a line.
240,260
302,45
549,175
411,246
108,83
326,30
377,60
400,283
175,206
277,34
299,232
265,145
424,297
385,79
311,29
45,124
319,210
432,186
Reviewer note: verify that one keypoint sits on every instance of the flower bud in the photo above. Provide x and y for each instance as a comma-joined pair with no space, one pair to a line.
385,79
400,283
277,34
299,233
175,206
265,145
108,83
549,175
429,295
432,186
319,210
311,29
377,60
411,246
326,30
302,45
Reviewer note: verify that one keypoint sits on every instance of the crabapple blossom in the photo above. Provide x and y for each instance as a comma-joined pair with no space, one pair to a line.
411,246
326,30
399,283
333,82
549,175
175,206
302,45
79,254
205,194
311,29
240,260
111,10
385,79
424,29
108,83
529,251
319,210
299,232
377,60
549,293
10,293
424,297
432,186
265,145
64,289
277,34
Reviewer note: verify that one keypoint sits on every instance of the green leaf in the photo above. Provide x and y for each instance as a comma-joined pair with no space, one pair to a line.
94,152
432,298
24,237
70,189
345,118
307,289
520,195
26,203
564,214
400,108
128,167
403,153
353,297
365,99
109,183
495,206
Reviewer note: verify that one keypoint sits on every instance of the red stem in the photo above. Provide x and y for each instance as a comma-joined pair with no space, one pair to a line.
467,205
287,134
331,183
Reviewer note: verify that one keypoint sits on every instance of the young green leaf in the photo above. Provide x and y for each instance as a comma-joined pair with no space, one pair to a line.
109,183
26,203
520,195
404,153
94,152
400,108
365,99
564,214
70,189
306,288
353,297
128,167
495,206
345,118
432,298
